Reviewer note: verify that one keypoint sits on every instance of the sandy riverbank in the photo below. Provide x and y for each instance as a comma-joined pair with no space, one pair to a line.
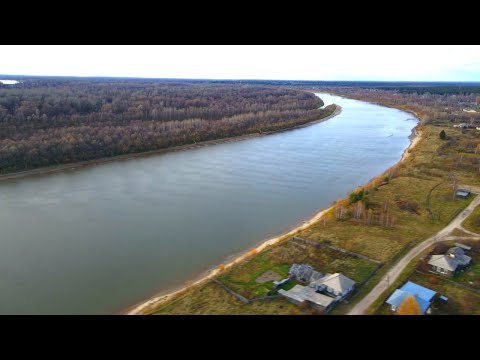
88,163
163,297
167,295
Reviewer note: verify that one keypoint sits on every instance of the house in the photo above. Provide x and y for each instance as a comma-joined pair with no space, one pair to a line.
422,295
301,295
451,262
304,273
462,193
334,285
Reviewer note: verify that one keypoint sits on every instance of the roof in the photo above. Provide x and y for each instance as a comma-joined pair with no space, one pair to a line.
454,257
463,246
399,296
417,290
456,252
444,262
304,272
462,192
301,293
337,281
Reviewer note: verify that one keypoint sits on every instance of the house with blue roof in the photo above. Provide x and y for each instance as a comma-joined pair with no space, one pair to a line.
422,295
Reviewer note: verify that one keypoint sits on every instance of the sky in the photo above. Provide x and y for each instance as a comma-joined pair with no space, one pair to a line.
287,62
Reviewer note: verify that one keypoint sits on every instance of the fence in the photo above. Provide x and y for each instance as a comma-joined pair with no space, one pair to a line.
243,298
448,280
351,253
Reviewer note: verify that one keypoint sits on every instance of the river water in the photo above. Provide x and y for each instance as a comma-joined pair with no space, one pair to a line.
99,239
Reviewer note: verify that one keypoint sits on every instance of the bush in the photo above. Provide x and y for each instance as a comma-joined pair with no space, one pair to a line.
443,135
357,196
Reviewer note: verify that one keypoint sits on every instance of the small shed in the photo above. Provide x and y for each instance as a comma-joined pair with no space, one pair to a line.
462,193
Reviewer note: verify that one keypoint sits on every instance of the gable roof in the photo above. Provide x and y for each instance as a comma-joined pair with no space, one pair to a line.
304,272
444,262
448,262
399,296
337,281
301,293
418,291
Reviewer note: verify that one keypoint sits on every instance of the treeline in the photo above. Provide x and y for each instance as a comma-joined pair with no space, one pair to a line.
53,121
431,108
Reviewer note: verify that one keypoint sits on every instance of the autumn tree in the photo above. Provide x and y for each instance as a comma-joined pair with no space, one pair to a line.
409,307
340,209
369,217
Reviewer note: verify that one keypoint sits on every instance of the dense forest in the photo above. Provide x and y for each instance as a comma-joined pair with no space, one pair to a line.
48,121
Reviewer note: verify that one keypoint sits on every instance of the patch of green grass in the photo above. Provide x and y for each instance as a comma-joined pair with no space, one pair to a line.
242,278
472,223
289,285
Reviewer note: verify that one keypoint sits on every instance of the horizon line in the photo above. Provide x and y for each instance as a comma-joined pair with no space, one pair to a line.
234,79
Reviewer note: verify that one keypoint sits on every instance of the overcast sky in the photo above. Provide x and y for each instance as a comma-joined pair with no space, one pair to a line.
295,62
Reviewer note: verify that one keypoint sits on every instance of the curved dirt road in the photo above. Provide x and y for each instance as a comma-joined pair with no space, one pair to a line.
394,272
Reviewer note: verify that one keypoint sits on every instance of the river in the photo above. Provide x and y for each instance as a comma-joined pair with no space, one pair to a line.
99,239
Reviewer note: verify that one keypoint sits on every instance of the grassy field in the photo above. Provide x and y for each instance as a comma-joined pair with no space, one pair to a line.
243,278
422,181
472,223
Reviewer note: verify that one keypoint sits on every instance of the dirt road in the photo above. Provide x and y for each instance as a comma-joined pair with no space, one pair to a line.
394,272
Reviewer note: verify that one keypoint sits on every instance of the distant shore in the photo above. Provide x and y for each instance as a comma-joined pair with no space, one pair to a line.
166,295
89,163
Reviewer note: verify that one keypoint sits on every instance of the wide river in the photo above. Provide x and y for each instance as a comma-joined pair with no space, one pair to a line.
102,238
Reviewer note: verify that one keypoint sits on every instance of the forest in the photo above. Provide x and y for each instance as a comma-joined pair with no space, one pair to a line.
50,121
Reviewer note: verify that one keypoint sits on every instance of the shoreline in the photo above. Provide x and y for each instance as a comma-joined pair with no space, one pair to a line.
90,163
205,276
165,295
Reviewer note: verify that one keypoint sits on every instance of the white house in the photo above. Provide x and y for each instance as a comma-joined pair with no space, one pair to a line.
334,284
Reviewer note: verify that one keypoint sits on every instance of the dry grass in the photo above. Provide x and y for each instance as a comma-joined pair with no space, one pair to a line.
213,300
472,223
382,243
